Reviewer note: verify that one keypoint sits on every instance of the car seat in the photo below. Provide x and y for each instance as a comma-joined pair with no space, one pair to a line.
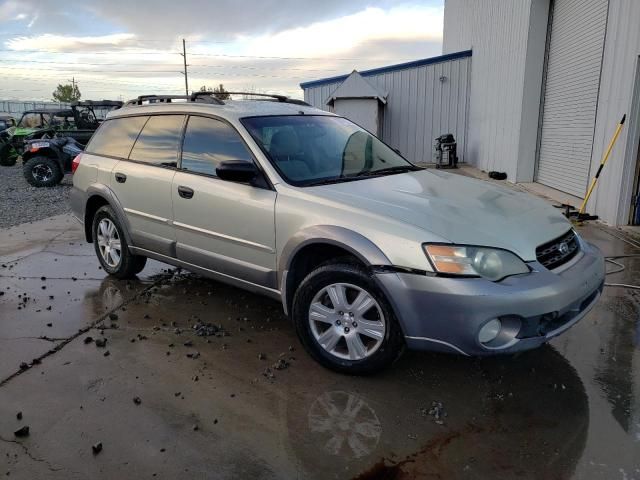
285,151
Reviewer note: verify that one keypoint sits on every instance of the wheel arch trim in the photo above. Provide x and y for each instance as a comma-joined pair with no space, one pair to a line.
353,242
108,195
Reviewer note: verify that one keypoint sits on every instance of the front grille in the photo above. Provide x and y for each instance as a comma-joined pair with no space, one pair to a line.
559,251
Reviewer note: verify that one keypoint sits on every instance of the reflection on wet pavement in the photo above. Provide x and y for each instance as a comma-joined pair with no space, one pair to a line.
241,399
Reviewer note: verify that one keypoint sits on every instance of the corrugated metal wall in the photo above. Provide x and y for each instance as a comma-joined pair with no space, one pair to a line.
571,94
612,198
497,31
420,107
16,107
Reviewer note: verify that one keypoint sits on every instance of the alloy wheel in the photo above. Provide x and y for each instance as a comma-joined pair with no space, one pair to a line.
347,321
109,242
42,172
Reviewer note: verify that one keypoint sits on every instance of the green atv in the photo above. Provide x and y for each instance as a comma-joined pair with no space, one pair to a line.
78,122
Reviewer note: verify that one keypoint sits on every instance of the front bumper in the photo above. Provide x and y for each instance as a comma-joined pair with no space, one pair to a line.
446,314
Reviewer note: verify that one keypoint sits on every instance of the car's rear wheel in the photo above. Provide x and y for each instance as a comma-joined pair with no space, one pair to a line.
42,172
345,321
111,246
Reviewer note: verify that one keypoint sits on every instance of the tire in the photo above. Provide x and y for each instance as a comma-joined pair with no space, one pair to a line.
375,326
42,172
8,157
108,234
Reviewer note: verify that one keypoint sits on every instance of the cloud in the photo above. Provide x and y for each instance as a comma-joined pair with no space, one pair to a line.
223,19
315,40
54,43
341,35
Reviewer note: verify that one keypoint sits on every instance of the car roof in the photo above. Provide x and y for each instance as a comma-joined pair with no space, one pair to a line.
231,109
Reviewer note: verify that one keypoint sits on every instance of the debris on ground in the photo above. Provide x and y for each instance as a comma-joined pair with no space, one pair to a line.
88,340
262,356
113,316
436,411
22,432
193,355
188,343
96,448
24,366
281,364
208,330
101,342
19,415
137,400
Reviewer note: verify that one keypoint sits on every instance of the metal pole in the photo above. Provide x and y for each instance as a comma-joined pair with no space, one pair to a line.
184,56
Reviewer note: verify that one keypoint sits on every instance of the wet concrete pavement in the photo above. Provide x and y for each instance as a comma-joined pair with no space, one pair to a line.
247,402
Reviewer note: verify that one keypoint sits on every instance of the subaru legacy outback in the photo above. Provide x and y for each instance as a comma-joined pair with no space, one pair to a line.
367,252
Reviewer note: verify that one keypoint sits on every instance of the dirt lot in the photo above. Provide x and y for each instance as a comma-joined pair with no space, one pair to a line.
168,398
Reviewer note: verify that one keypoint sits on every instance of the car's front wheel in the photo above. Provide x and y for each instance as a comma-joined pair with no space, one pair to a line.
345,321
111,246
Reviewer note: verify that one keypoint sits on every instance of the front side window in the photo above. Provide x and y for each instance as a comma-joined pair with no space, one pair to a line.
311,150
115,137
159,141
208,142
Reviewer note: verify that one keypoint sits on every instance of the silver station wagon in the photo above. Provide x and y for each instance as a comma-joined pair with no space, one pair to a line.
367,252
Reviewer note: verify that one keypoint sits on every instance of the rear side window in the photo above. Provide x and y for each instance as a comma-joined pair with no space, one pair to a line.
116,137
159,141
207,142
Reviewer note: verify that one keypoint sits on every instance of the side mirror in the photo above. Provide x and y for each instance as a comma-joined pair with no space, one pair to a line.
237,171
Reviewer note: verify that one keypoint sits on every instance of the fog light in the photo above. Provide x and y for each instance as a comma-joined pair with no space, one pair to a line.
489,331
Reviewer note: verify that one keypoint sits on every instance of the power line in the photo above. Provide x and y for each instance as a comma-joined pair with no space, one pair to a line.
57,52
248,67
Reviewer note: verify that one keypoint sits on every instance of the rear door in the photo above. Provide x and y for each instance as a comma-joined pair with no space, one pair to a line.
224,226
143,181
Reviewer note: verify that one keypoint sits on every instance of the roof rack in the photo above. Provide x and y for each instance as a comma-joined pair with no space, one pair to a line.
210,97
169,99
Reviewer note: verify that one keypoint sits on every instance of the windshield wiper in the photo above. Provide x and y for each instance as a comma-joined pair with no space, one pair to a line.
396,169
360,176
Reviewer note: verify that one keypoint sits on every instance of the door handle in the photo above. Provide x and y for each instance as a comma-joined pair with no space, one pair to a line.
121,177
185,192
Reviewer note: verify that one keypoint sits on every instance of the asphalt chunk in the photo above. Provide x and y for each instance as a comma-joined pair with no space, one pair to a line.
137,400
101,342
22,432
88,340
96,448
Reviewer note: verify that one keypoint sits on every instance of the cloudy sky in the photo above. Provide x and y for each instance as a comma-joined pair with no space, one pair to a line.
125,48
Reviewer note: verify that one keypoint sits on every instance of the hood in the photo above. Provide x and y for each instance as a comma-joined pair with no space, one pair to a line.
461,209
23,131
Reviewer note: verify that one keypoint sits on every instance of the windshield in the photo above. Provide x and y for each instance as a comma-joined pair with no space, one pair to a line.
35,120
312,150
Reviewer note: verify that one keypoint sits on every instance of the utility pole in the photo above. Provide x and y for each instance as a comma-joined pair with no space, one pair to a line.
184,57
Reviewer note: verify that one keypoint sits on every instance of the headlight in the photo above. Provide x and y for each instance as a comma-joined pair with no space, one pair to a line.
490,263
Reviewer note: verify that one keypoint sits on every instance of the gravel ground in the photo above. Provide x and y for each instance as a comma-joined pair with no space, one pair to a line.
22,203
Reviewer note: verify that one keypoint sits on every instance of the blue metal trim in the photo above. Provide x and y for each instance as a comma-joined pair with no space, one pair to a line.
390,68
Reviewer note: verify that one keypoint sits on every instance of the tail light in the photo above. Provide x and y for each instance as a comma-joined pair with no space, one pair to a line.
75,163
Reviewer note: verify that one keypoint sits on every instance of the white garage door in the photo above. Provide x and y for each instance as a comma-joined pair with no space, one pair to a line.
571,93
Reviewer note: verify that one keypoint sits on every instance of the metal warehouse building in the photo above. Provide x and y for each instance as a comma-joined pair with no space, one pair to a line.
533,88
549,81
408,105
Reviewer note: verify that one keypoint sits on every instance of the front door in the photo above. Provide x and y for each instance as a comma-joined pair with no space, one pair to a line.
223,226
